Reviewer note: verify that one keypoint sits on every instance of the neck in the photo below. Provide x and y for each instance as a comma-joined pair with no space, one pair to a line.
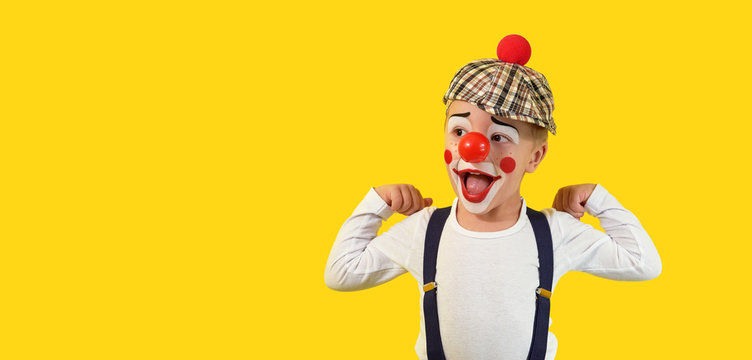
499,218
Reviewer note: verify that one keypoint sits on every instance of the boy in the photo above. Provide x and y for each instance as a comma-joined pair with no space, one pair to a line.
487,265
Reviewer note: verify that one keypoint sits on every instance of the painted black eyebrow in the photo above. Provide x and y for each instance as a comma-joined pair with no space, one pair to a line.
497,121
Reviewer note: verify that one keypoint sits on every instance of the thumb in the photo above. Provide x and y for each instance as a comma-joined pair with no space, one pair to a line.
582,197
428,201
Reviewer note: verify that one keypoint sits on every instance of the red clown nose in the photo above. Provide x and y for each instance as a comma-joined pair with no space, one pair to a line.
474,147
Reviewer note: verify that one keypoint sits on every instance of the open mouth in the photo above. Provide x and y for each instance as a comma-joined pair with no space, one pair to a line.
475,184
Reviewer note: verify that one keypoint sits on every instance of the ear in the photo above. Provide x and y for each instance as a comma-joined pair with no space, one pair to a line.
538,154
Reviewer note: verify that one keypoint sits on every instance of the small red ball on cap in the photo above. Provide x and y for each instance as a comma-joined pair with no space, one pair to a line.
513,49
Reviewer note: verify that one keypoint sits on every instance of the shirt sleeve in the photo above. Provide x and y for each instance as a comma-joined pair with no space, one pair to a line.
359,259
624,252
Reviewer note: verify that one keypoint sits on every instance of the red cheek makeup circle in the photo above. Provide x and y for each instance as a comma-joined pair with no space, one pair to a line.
507,164
447,156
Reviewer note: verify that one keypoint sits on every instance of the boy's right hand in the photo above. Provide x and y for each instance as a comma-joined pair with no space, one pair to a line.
403,198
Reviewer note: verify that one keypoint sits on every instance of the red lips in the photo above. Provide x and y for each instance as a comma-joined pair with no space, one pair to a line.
475,198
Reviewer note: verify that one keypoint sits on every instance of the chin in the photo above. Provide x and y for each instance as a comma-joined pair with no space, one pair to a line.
484,206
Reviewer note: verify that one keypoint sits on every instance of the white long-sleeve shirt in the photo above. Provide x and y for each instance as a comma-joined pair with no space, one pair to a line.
487,280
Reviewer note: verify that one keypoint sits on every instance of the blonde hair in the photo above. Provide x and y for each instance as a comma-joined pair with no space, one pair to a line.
540,135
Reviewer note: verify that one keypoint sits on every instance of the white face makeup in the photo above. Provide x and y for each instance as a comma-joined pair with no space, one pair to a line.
455,122
506,133
458,126
488,168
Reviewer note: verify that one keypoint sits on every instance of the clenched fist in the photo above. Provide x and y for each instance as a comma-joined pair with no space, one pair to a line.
573,198
403,198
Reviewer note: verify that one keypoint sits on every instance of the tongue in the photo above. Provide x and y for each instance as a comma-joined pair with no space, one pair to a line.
475,183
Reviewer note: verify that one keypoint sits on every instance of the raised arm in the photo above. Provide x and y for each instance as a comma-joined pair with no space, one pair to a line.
356,261
624,252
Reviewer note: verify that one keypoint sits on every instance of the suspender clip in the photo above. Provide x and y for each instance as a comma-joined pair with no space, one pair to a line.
430,286
543,292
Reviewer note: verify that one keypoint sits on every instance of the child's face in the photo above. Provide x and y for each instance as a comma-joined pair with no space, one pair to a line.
502,149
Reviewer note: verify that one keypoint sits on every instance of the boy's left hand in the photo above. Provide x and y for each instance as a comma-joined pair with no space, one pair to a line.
573,198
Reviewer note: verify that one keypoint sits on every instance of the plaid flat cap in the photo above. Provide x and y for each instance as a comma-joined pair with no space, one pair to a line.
505,89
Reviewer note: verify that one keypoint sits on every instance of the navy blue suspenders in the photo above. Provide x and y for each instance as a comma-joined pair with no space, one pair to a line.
545,280
431,313
542,232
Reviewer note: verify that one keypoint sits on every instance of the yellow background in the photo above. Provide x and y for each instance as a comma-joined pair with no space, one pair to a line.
174,174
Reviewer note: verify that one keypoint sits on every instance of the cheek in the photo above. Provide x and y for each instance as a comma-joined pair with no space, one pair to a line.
507,164
450,153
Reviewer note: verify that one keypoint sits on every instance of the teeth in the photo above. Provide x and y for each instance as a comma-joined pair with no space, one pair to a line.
466,172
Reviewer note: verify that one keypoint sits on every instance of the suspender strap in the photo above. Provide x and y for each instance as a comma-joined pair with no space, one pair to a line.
543,293
434,347
542,232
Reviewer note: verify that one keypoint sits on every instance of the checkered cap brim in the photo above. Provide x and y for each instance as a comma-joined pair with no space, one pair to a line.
505,89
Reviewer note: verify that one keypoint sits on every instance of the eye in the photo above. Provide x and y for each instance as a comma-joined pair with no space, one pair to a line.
459,132
499,138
